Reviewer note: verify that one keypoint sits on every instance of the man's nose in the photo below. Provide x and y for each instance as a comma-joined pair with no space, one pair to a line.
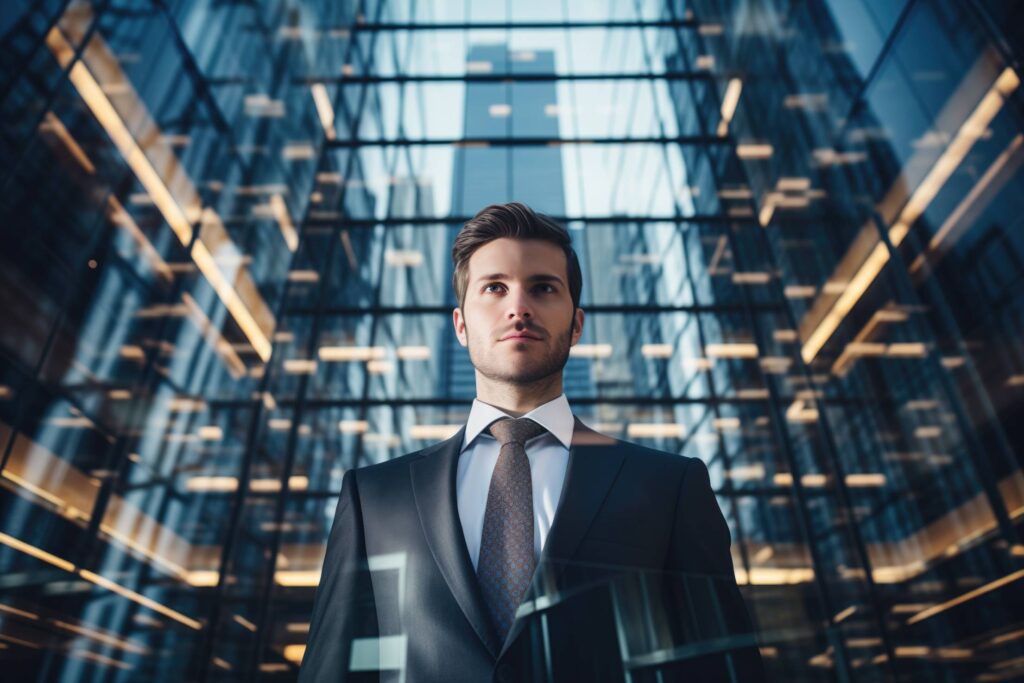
519,305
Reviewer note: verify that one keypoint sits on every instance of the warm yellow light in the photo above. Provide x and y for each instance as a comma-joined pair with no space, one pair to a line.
138,598
38,553
379,367
433,432
178,218
294,653
591,351
335,354
867,479
54,126
414,352
300,366
284,222
98,636
970,595
746,472
729,102
244,623
208,484
324,109
725,423
656,350
295,483
353,426
970,131
403,258
734,350
655,430
754,151
298,578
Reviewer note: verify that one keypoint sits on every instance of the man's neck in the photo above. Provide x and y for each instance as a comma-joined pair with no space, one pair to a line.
518,399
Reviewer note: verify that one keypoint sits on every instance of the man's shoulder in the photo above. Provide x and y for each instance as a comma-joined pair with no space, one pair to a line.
642,455
393,466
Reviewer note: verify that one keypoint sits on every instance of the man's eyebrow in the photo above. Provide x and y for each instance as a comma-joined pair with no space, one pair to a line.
539,277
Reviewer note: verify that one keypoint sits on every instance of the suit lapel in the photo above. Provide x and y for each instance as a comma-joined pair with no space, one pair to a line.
594,463
433,486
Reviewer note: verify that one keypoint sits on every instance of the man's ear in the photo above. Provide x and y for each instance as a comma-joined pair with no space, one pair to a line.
460,326
577,326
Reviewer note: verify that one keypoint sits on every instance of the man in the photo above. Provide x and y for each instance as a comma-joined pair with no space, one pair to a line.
527,546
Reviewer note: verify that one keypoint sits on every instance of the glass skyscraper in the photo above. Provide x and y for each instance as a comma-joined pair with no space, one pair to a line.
226,280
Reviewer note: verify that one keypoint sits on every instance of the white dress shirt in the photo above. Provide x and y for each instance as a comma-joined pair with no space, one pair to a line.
548,454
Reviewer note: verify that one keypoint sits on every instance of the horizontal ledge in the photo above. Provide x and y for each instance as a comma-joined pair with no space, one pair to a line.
466,402
591,220
446,309
531,141
505,77
513,25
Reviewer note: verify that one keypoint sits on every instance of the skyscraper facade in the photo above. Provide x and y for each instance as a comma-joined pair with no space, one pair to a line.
226,271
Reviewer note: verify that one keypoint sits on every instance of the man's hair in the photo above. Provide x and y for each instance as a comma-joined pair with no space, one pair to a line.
517,221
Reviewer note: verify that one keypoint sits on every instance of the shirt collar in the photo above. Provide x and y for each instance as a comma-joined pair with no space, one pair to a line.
555,416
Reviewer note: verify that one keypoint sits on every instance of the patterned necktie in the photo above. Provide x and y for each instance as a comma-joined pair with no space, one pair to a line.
506,563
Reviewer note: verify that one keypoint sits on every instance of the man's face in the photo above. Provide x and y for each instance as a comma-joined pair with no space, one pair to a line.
517,318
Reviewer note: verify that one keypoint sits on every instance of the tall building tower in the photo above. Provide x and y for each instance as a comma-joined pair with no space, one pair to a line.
498,173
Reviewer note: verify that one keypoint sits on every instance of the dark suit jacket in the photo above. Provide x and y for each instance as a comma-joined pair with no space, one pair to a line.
635,575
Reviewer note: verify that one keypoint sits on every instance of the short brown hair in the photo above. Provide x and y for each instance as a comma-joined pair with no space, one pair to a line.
517,221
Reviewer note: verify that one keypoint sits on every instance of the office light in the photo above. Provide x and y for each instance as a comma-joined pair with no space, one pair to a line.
107,639
38,553
55,127
308,276
379,367
403,258
745,472
414,352
340,354
179,218
591,350
206,484
724,424
972,129
211,433
324,110
729,102
655,430
731,350
284,221
300,366
433,432
139,598
754,151
656,350
970,595
353,426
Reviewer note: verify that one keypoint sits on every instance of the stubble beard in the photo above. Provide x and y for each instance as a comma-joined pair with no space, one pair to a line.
550,365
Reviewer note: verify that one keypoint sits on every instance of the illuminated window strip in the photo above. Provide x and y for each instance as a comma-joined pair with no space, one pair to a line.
101,581
969,133
101,107
970,595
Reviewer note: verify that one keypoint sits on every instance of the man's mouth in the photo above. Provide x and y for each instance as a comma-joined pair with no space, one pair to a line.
520,337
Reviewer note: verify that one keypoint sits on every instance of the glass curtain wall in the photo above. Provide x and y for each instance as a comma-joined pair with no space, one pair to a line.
225,276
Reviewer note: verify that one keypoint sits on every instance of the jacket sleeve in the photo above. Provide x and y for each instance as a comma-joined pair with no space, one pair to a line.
707,615
343,608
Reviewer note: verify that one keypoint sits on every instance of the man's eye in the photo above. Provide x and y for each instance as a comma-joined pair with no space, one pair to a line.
491,285
550,287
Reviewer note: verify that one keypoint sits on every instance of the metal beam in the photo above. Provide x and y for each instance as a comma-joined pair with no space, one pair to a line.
507,77
370,27
532,141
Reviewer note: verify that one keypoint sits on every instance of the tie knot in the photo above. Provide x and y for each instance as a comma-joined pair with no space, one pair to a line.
515,430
